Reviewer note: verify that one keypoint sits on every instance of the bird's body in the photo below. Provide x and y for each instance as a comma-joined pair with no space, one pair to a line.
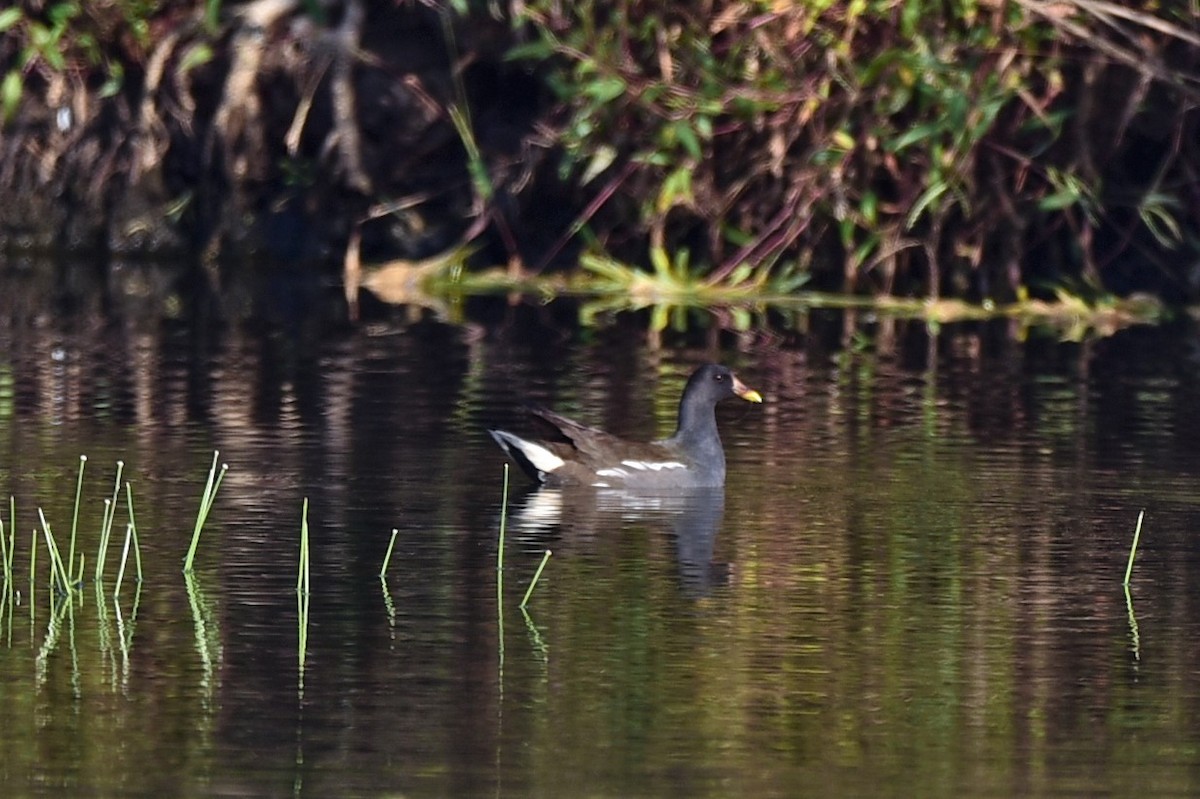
691,458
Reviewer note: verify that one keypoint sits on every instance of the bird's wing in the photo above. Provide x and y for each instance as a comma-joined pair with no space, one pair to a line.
599,448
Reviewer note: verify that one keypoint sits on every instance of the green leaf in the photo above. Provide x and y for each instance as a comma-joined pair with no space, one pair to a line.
870,207
116,78
676,190
1162,224
538,50
1064,198
601,160
864,250
194,57
936,190
55,59
679,318
9,17
740,274
10,93
683,259
652,158
687,137
605,90
660,317
736,236
661,261
62,13
846,228
917,134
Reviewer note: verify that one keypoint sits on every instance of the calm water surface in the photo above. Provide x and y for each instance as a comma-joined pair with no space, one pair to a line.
911,585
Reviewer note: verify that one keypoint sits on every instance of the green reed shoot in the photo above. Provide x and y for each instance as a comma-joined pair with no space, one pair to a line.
1137,534
206,502
137,546
4,554
9,543
32,570
500,581
503,524
302,595
57,567
387,558
302,582
302,635
12,531
536,575
75,515
110,511
102,548
124,560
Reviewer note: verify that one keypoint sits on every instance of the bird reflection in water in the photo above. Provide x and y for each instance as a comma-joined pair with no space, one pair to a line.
580,520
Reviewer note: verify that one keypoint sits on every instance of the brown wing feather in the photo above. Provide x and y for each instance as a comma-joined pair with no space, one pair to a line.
597,449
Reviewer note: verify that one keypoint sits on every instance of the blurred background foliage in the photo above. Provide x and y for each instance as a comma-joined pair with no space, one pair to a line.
978,149
969,148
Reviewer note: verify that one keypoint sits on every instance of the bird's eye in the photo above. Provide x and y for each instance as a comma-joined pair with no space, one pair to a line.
718,378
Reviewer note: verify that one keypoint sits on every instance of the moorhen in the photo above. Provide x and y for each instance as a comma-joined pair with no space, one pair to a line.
691,458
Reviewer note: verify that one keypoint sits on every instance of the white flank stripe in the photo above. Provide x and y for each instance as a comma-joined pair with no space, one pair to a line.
655,465
611,473
539,456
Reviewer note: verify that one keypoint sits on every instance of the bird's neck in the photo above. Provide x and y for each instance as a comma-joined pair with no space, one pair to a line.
697,432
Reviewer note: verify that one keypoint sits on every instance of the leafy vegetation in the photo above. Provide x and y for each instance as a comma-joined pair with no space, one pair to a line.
976,150
901,147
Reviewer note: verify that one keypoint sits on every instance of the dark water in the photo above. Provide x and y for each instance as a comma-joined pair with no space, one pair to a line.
911,585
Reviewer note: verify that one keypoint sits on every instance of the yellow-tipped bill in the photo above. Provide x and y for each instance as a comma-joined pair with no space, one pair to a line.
745,392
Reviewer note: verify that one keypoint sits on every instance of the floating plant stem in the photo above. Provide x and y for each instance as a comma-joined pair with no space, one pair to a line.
206,501
387,558
1137,534
75,515
537,574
